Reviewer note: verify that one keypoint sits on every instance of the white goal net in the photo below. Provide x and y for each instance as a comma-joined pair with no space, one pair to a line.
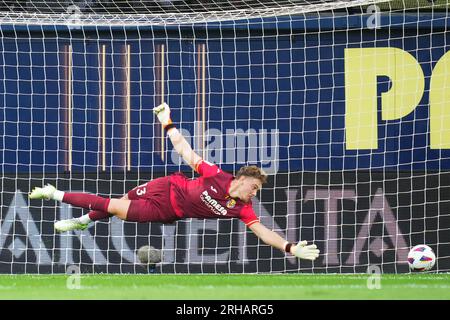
343,103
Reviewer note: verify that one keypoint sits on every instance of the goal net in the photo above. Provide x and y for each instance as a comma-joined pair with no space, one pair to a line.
343,103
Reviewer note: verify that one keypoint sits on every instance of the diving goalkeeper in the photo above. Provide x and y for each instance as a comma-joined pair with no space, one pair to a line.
214,195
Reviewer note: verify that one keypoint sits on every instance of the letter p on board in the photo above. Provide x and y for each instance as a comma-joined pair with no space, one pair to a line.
362,67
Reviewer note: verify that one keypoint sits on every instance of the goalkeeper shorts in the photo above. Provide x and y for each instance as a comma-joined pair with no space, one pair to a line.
150,202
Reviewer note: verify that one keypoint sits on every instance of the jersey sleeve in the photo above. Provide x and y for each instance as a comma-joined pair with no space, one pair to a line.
248,216
207,169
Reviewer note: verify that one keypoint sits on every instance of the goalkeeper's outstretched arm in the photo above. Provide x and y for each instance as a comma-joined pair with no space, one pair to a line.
178,141
300,250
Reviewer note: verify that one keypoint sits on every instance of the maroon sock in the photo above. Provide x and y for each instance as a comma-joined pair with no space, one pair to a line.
87,201
98,215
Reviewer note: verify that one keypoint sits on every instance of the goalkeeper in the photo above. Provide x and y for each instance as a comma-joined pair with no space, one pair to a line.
214,195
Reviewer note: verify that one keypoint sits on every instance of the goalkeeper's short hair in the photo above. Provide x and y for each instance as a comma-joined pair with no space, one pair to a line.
252,171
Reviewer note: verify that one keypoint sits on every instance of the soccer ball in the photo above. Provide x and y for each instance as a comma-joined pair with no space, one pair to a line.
421,258
149,255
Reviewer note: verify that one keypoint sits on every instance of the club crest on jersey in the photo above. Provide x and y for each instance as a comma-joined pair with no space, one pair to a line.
231,203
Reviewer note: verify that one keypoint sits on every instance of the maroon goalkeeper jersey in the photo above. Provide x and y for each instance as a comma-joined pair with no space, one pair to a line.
207,197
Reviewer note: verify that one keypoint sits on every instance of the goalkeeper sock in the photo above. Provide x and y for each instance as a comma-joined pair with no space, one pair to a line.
85,219
87,201
96,215
58,195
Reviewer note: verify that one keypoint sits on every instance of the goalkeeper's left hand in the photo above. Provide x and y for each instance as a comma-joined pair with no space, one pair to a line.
303,251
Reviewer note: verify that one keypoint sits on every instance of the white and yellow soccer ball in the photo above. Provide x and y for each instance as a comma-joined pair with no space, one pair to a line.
421,258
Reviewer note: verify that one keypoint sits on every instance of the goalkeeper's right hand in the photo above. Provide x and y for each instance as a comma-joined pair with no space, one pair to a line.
302,251
163,113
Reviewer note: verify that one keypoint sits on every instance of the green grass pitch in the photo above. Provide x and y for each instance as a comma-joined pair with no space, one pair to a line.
226,286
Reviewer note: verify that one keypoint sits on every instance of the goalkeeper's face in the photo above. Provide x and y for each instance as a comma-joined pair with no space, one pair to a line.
248,188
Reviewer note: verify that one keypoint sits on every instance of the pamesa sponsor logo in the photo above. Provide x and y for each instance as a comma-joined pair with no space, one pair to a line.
212,204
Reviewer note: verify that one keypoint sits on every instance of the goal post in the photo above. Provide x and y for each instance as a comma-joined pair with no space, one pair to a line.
343,103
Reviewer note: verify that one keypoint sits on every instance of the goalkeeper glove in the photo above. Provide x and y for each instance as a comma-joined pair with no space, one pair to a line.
302,251
163,113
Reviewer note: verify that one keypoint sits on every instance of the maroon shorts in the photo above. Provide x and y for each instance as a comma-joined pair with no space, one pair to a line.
150,202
